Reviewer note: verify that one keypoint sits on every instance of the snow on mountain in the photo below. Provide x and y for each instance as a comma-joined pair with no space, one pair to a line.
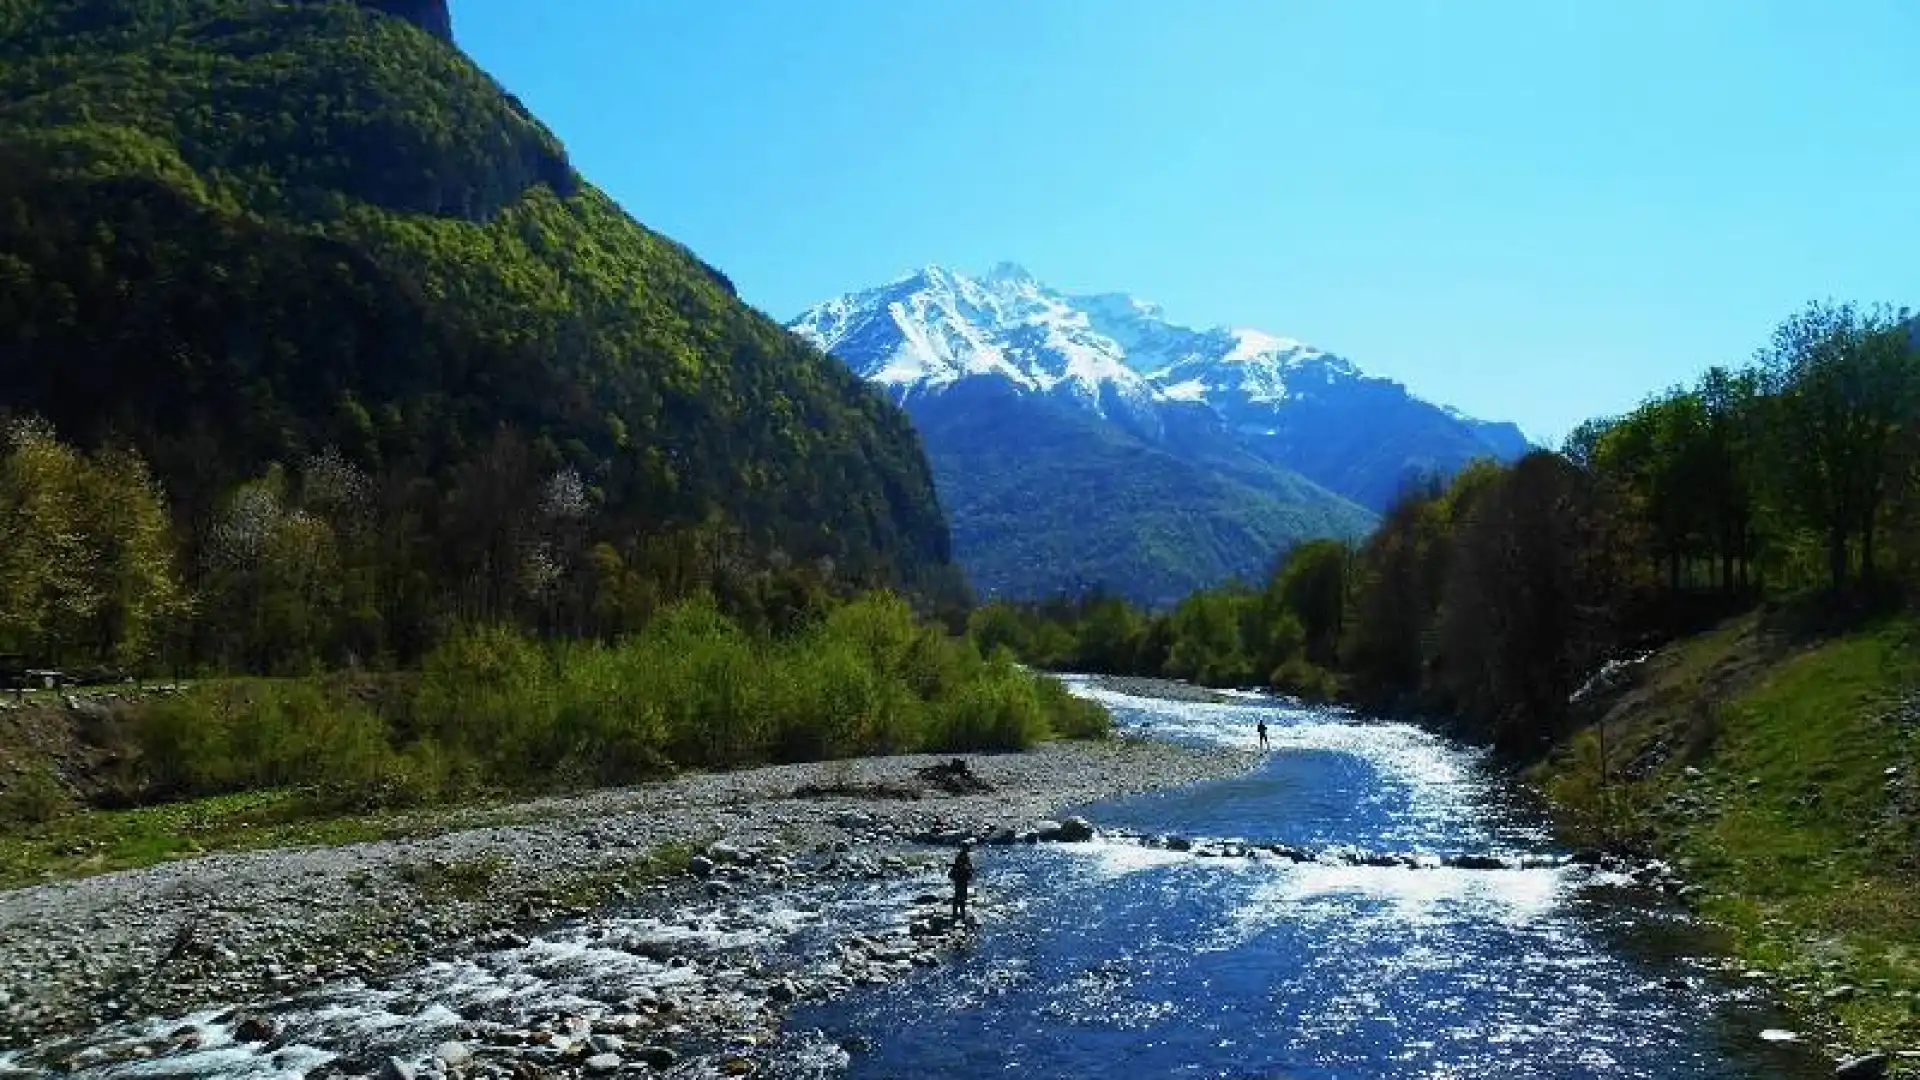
926,331
1122,359
1247,368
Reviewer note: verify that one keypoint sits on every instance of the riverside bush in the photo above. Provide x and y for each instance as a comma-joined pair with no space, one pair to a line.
1001,710
495,709
35,798
1303,679
245,735
1070,717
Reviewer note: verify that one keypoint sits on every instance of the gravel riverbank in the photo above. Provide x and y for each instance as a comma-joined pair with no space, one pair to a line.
240,929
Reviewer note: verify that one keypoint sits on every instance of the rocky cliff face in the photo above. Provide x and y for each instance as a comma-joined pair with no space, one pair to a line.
432,16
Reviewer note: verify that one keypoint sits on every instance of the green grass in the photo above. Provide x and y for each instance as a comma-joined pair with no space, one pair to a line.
1817,866
98,841
1802,846
496,715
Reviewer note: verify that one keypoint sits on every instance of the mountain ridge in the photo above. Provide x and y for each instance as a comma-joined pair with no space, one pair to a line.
433,16
926,328
1292,402
1278,439
1045,497
1023,398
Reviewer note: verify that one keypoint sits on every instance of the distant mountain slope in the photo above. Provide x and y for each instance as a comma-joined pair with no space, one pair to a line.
1046,497
237,232
1062,466
1270,439
1302,408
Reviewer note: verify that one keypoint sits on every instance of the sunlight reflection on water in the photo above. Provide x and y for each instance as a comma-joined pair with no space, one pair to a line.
1229,961
1163,963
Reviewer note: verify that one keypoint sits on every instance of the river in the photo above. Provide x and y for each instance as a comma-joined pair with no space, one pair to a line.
1307,919
1141,962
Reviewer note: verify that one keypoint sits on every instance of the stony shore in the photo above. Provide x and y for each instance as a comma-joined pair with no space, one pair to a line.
243,929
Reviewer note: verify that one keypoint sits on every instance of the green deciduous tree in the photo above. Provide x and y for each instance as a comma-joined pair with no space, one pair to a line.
87,569
1312,585
49,572
1401,573
140,595
1841,383
1209,640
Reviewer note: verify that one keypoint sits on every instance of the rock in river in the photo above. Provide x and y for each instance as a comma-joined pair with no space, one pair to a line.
1865,1067
1076,830
253,1028
658,1057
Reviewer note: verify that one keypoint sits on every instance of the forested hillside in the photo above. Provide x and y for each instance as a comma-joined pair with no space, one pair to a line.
306,278
1040,492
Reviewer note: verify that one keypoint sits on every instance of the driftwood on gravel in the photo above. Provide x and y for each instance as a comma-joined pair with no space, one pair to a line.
879,789
954,778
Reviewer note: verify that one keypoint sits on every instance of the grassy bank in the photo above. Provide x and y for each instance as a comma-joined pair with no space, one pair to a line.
90,841
494,715
1781,770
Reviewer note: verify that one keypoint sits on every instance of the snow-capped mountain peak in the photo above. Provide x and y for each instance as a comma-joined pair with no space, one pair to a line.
1251,345
1003,272
929,329
1125,361
1083,439
1253,366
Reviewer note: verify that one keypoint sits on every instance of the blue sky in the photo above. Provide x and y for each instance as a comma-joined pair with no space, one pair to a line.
1534,210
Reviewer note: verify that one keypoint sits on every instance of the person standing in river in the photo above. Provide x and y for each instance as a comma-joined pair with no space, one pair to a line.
961,874
1262,729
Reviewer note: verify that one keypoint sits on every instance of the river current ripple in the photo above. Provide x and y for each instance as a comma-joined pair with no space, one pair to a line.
1125,960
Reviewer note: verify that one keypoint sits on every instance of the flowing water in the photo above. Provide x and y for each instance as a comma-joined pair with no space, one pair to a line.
1142,962
1321,926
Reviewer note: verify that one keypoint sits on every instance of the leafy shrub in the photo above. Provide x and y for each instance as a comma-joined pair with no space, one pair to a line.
1590,807
493,708
700,671
182,743
1297,676
291,733
35,798
998,711
614,731
420,775
826,701
488,692
1071,717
